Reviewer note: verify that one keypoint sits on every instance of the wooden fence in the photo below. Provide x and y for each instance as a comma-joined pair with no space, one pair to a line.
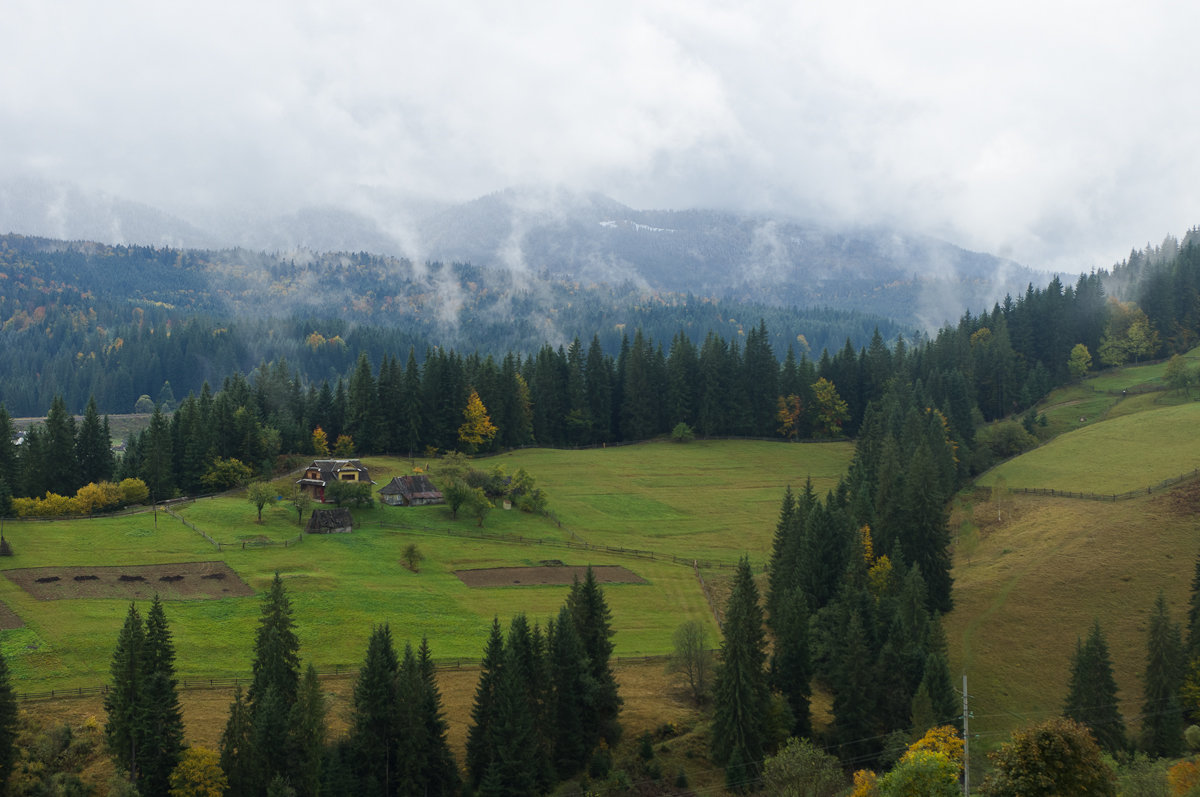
243,544
339,671
574,544
1164,484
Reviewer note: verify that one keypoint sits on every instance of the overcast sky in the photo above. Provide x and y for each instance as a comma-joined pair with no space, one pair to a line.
1058,134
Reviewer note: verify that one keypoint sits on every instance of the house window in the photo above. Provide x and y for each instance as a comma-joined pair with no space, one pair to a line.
349,477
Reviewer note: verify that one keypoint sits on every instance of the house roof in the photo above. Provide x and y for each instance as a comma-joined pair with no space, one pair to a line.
417,486
329,468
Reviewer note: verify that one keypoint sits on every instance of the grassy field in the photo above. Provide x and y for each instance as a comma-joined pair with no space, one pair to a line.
706,499
1031,575
1124,453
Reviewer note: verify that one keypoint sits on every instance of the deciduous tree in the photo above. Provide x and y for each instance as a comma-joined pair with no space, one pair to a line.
260,494
692,658
1053,758
477,428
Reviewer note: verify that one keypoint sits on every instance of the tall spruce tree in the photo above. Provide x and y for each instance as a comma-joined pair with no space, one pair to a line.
1092,692
740,694
63,470
512,737
571,690
593,622
439,771
273,687
237,759
93,448
1162,723
9,724
791,664
373,724
307,753
125,731
1193,621
483,711
162,716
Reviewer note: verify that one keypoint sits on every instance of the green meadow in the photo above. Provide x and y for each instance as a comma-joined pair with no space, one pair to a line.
704,500
1127,452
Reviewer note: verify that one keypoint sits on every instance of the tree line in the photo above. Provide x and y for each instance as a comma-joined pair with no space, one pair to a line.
546,710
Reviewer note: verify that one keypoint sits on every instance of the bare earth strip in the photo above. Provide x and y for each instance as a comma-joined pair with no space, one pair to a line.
181,581
9,619
546,575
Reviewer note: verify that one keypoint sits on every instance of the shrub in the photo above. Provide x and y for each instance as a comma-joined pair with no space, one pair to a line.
682,433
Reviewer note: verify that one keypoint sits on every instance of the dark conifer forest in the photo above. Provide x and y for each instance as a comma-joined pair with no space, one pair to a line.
858,578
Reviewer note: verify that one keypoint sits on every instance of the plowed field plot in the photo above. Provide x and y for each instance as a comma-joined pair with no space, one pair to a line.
546,575
181,581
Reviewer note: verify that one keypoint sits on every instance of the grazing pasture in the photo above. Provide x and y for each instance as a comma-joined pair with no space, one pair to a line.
704,500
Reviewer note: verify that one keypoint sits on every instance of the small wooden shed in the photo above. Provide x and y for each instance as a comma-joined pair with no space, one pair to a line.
330,521
415,490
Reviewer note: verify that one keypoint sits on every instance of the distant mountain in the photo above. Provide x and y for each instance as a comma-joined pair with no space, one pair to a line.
32,206
588,237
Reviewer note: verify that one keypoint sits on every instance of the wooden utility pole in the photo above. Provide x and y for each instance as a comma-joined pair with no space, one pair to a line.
966,743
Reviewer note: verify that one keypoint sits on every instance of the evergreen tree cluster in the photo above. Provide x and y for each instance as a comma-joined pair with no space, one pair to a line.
546,701
144,730
59,456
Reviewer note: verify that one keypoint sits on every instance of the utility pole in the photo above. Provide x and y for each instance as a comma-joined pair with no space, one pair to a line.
966,743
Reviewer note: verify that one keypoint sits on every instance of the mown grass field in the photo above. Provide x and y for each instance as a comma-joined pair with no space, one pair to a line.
1124,453
1032,573
341,585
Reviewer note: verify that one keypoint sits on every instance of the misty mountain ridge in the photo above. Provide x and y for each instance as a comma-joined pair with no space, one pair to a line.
915,279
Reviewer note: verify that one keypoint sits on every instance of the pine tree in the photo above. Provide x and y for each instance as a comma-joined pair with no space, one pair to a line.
158,458
8,725
1092,692
123,702
593,622
571,688
93,448
308,735
63,468
1162,724
276,648
274,686
791,665
162,716
512,736
854,696
479,752
373,731
740,694
439,770
237,759
1193,627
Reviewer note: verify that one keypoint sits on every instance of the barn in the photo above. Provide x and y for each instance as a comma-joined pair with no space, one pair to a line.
330,521
414,490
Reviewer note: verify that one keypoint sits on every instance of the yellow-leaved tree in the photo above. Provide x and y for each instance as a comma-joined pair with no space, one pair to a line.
477,427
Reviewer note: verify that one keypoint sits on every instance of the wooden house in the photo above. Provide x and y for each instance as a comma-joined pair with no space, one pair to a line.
330,521
414,490
323,471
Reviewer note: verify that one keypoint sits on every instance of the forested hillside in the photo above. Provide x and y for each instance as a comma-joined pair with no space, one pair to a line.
82,320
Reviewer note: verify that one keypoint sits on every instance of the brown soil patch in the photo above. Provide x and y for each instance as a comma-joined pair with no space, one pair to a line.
9,619
180,581
1184,499
546,575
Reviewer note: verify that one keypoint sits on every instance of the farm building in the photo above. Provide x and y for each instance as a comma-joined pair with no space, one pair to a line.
410,491
330,521
323,471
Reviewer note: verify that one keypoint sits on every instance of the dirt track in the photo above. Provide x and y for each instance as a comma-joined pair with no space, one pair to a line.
180,581
545,575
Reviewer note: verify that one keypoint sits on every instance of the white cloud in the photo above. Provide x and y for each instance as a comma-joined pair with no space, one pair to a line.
1058,134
